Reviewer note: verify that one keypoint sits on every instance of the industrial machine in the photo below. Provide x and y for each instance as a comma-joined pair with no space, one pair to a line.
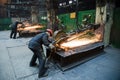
74,48
30,30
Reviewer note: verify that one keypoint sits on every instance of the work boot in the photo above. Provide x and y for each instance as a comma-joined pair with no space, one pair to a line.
33,65
14,38
44,73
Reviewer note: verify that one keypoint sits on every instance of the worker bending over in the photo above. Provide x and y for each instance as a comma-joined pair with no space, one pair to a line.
35,45
14,27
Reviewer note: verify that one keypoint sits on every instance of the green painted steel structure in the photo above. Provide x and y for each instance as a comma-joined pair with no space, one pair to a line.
70,23
4,23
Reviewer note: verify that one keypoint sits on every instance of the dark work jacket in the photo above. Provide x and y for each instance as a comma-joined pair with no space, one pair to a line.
37,41
14,26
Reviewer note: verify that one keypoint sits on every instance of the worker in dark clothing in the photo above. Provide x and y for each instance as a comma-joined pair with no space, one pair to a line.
56,25
14,30
35,45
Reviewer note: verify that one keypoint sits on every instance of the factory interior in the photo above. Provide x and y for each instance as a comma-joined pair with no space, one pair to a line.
84,37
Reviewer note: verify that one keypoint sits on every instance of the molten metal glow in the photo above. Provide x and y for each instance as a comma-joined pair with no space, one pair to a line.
79,42
32,27
83,38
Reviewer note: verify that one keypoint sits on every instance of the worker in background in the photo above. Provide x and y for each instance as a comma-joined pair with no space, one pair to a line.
35,45
56,25
14,29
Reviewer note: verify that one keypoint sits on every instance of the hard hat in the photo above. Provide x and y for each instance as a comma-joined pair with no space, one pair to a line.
50,31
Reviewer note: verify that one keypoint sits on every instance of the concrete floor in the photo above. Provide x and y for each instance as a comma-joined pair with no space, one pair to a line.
15,57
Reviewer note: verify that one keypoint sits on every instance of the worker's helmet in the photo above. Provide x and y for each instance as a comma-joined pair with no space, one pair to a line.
50,31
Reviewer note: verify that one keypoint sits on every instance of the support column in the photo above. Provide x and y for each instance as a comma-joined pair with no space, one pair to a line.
51,15
104,16
109,23
34,14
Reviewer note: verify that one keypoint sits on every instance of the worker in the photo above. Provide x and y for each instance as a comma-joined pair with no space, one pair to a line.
14,29
56,25
35,45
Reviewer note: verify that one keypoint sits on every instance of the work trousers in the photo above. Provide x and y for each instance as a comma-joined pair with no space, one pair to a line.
13,34
38,53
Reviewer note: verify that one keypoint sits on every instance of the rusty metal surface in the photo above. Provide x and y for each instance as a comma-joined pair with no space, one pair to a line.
77,55
28,29
79,49
59,36
89,35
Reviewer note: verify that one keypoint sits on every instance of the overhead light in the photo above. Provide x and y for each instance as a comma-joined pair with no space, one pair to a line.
70,2
60,4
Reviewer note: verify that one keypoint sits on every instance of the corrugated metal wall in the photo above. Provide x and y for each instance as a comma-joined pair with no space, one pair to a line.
115,34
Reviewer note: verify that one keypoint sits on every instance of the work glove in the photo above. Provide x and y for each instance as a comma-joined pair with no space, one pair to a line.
51,46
